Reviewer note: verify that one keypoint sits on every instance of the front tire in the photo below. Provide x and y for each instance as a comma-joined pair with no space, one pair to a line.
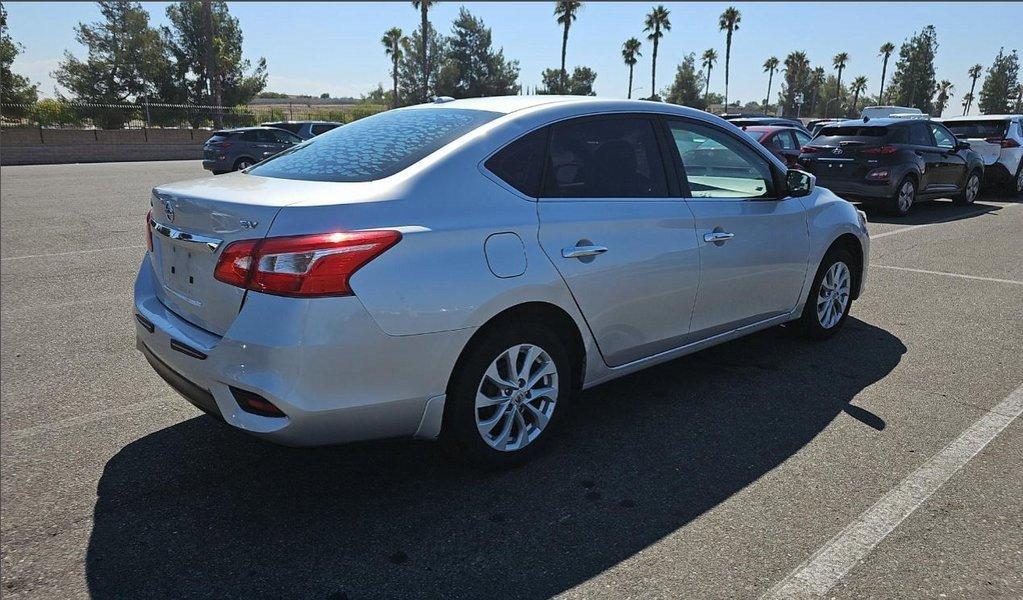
507,395
903,199
970,191
827,306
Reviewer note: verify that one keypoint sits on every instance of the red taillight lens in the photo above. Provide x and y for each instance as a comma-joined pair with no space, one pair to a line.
810,149
223,144
303,265
875,150
149,231
1003,142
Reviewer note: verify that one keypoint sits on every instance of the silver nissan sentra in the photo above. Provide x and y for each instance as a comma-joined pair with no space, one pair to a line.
458,270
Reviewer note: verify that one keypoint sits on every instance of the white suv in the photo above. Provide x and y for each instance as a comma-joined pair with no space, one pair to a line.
999,141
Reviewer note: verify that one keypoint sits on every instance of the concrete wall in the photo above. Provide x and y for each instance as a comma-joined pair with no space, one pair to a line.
36,146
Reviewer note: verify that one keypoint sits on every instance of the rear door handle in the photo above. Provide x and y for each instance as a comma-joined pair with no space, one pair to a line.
717,237
582,251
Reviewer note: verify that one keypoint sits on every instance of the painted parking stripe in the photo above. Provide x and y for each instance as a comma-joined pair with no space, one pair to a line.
946,274
70,252
940,221
825,567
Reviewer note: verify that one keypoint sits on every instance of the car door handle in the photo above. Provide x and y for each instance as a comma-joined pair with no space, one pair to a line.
582,251
716,237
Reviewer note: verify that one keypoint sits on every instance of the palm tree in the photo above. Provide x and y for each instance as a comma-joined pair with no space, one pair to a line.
656,23
859,85
945,89
817,81
630,53
974,74
728,21
565,11
886,52
709,58
424,6
839,62
770,66
392,47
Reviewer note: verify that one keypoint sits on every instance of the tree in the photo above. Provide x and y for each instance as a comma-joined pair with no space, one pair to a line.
630,54
770,66
470,67
14,88
189,41
710,56
885,53
796,85
974,74
817,81
580,82
126,60
913,83
565,10
728,22
859,85
412,84
656,23
944,94
685,90
325,96
838,62
423,6
392,47
997,95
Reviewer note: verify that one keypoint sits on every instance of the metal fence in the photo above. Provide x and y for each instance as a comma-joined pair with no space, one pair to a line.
78,115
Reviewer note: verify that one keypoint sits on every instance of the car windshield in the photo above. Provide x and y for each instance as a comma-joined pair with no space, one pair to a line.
978,129
374,147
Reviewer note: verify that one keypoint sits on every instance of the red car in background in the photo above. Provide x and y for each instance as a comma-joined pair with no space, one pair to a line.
783,142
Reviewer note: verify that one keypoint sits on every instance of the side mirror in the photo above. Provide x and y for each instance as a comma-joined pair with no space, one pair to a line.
799,183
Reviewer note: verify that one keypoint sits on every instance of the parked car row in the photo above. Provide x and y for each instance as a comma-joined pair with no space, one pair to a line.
238,149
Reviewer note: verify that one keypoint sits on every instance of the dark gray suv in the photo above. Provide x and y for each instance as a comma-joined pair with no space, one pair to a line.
234,149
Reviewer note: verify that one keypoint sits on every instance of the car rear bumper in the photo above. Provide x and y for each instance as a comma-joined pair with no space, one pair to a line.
216,165
323,362
998,173
862,191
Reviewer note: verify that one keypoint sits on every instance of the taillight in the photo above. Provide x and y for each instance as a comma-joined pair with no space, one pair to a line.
810,149
875,150
302,265
223,144
149,231
1003,142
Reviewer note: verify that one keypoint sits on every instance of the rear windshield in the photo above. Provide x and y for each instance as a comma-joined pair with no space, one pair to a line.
219,136
977,129
374,147
835,134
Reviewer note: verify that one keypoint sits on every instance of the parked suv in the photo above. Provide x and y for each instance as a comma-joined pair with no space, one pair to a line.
459,270
304,129
236,149
999,141
894,162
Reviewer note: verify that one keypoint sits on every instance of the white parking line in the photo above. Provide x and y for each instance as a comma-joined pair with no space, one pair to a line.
70,252
940,221
825,567
959,275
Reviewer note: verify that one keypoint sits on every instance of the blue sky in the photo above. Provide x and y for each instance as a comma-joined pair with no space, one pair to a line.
315,47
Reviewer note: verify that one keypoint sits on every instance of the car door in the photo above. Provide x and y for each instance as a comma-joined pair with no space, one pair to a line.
616,229
753,241
922,142
952,172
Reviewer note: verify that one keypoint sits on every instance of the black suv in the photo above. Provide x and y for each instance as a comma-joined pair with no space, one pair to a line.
893,162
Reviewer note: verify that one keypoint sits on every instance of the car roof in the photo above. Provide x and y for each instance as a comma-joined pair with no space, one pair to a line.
272,123
880,121
766,128
506,104
982,118
240,129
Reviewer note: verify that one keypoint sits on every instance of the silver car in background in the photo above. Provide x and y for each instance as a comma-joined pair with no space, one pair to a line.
457,270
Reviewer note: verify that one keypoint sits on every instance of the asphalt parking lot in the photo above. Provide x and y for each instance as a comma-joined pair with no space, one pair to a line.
716,475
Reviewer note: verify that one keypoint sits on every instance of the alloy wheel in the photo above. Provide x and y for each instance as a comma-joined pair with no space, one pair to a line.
906,193
972,188
833,296
516,397
1019,181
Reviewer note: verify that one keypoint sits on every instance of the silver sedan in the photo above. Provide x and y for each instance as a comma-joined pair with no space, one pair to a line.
459,270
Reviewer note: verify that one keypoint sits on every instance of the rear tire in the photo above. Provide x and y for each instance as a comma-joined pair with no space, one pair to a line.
1016,188
903,199
971,189
243,163
827,306
492,415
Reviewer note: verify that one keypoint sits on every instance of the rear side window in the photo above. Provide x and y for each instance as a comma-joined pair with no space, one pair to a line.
318,128
374,147
978,129
920,135
615,157
219,136
520,163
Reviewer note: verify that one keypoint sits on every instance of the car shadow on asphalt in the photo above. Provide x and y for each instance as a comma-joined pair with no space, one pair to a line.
198,509
933,211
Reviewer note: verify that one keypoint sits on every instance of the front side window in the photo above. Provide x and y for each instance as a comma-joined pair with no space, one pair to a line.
614,157
942,136
719,166
520,163
374,147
